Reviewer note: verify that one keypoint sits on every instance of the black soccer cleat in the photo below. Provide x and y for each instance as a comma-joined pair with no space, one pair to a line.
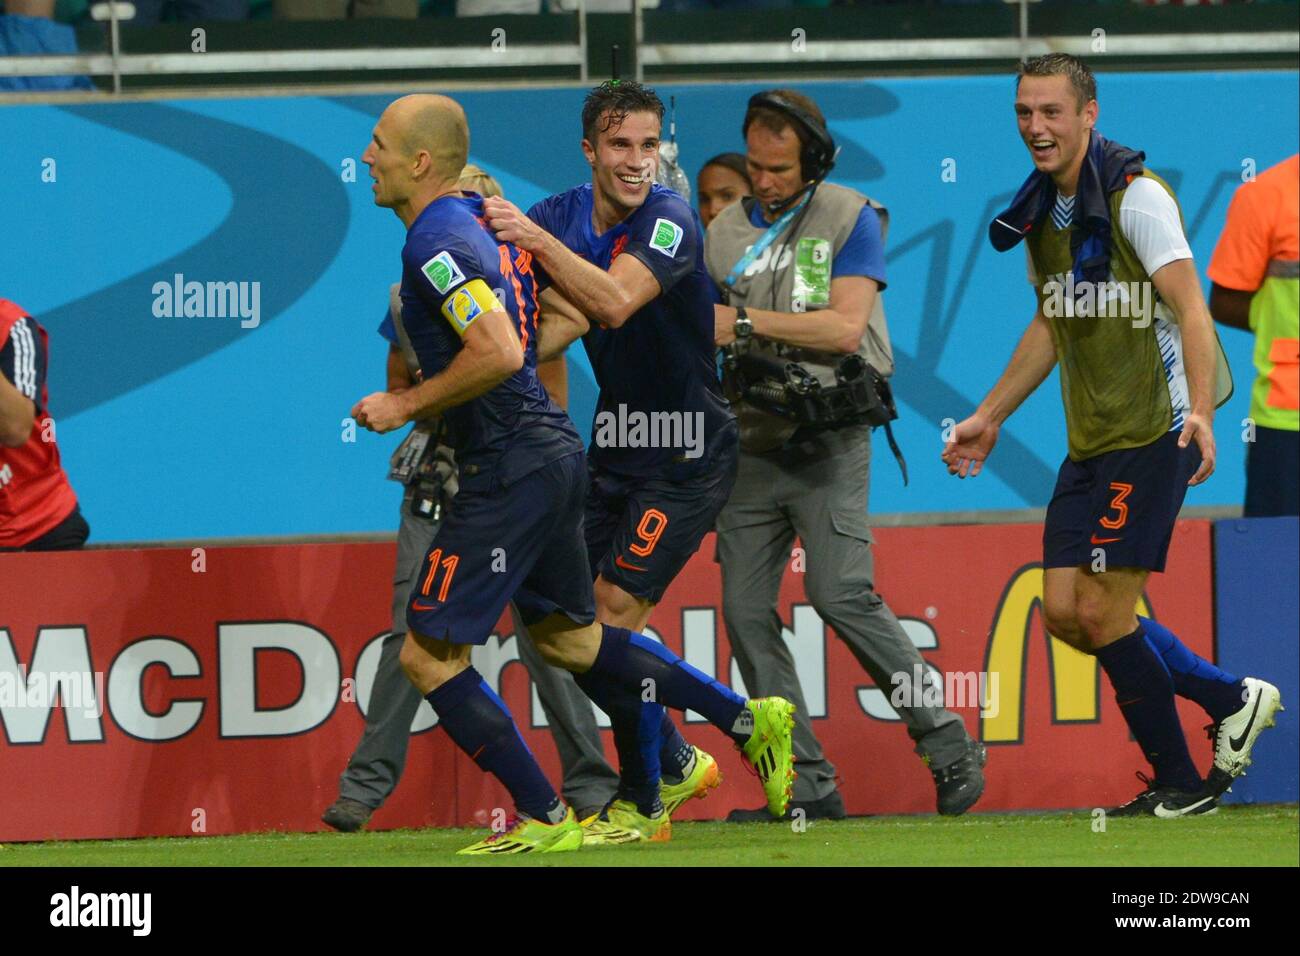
1167,802
346,815
829,807
961,783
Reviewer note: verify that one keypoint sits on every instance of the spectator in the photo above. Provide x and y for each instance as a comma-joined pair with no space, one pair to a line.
150,12
27,28
345,9
1255,273
38,511
723,180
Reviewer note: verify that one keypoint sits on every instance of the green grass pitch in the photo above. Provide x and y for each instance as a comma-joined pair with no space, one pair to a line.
1235,836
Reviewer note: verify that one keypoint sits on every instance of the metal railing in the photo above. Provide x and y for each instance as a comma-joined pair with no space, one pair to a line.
654,54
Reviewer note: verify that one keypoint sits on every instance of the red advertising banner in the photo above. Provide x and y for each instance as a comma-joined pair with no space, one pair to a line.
222,690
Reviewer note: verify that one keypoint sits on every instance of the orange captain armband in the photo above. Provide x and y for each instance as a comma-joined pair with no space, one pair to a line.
467,303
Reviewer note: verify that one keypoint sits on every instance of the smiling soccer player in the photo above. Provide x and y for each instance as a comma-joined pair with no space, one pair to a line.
1139,394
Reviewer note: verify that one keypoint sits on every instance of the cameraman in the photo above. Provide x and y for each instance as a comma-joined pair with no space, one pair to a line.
800,265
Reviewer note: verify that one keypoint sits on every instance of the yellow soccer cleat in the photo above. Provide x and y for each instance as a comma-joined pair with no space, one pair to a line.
769,750
620,822
704,776
526,835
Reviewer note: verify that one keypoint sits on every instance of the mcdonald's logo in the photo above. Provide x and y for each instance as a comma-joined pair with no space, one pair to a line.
1074,677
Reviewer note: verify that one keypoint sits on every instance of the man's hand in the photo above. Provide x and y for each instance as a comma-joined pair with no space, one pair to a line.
724,325
382,411
511,225
1199,429
972,442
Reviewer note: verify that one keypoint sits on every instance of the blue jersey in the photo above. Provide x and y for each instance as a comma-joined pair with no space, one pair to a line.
454,271
661,362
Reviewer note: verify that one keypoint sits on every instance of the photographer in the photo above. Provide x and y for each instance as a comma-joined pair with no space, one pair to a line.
800,265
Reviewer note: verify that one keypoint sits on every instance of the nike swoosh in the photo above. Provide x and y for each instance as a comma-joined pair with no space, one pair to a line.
1097,540
1160,810
623,564
1236,742
417,606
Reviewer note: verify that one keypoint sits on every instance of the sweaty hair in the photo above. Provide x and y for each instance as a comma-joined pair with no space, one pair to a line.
778,120
619,98
732,161
1062,64
478,181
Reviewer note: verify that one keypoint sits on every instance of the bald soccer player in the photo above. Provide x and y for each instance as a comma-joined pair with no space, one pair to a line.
516,531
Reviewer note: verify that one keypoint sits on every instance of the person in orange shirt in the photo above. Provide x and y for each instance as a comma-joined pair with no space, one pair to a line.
1255,273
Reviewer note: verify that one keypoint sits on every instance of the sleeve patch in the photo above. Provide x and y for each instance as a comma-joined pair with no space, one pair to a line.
469,302
667,237
443,272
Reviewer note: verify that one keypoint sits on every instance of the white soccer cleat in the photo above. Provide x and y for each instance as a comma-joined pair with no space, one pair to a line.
1235,735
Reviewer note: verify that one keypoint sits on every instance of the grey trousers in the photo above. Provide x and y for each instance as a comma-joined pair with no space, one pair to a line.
817,490
380,757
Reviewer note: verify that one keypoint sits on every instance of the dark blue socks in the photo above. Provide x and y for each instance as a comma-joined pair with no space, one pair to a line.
636,724
1144,690
481,725
1195,678
637,664
676,756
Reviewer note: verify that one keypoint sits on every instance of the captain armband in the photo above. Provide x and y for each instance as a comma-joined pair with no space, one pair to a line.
467,303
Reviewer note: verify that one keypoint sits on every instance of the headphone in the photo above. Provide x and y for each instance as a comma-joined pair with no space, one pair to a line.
817,158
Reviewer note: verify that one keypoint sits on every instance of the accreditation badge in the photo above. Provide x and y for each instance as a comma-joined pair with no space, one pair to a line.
812,274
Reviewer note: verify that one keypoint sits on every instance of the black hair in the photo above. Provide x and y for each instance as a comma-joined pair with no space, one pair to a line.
732,161
617,98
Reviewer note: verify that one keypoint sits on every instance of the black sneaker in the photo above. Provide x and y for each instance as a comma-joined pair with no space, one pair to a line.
347,816
961,783
829,807
1166,802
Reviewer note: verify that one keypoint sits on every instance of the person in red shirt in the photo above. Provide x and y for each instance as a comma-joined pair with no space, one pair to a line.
38,510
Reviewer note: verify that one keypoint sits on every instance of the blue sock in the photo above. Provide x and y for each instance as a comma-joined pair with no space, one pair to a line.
479,723
1194,677
631,659
636,724
1145,693
675,754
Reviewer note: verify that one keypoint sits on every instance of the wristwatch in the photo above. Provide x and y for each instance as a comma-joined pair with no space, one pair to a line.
744,326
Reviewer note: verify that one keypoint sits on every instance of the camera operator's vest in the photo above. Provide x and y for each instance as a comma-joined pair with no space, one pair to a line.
794,275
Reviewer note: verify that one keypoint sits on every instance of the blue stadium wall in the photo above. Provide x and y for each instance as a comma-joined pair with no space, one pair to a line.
179,428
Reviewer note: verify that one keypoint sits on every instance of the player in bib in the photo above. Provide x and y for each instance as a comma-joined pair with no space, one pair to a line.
1120,311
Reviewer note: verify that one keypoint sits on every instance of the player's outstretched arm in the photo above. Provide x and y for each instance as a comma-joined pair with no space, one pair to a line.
973,439
609,298
558,325
491,354
1180,289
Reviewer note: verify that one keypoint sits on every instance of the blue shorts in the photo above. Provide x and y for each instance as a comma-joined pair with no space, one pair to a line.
1122,502
521,543
641,531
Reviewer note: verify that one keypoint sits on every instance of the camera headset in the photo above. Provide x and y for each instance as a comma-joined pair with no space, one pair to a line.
816,158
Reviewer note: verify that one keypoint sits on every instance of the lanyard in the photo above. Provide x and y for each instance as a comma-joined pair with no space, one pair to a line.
764,241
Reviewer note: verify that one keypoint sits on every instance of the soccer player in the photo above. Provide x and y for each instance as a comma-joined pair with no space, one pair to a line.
516,530
628,253
1139,389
